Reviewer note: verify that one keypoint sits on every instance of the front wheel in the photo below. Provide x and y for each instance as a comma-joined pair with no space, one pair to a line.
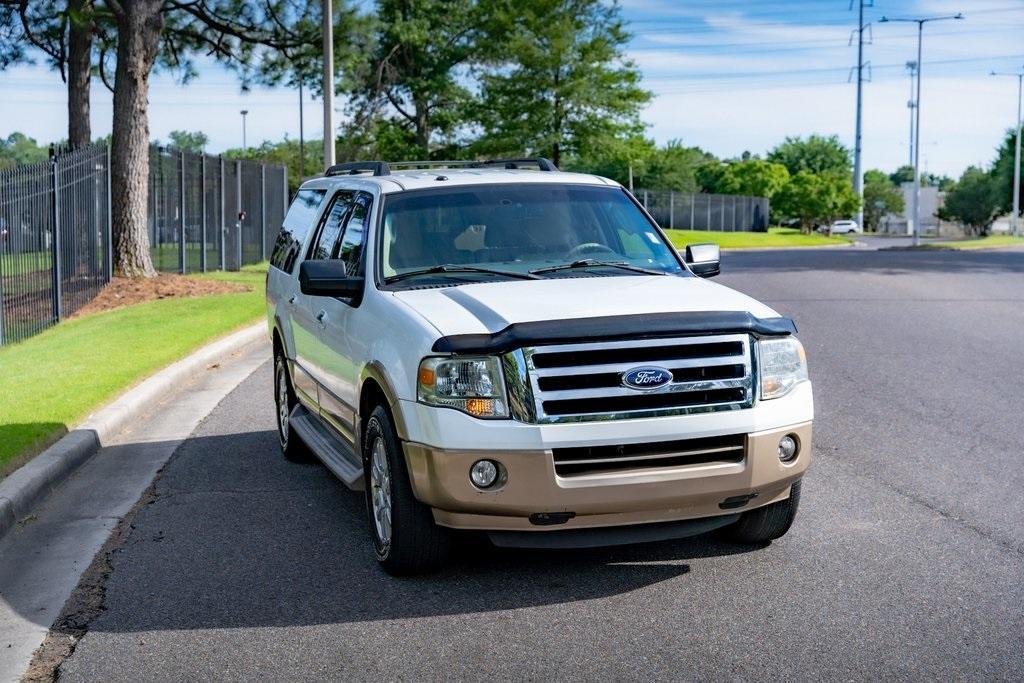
766,523
405,537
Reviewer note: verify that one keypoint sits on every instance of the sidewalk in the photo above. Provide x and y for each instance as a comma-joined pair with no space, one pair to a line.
43,557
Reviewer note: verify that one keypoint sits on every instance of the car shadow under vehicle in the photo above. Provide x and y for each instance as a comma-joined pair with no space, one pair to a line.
232,535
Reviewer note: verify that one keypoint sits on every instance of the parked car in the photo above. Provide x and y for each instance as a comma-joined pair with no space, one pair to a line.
504,348
843,227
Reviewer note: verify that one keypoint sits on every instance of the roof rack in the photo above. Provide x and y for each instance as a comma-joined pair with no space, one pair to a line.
380,168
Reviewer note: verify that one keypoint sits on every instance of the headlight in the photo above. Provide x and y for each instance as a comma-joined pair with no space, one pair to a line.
472,385
783,365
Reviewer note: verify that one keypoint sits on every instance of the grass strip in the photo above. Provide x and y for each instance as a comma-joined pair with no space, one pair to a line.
774,238
53,380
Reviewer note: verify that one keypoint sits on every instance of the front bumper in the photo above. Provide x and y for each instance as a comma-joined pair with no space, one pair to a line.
440,479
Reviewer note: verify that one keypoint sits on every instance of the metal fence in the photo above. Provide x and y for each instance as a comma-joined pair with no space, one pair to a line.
204,213
718,212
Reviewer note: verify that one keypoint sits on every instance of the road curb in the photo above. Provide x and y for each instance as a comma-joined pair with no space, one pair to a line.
27,486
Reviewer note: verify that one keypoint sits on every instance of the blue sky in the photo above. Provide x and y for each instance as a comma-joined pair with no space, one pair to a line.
728,76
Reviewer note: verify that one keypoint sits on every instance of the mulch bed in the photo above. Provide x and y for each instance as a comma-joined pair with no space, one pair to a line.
128,291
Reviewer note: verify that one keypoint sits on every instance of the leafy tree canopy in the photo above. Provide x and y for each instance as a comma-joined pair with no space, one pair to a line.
1002,172
754,177
188,141
560,84
816,199
19,149
973,201
816,153
881,197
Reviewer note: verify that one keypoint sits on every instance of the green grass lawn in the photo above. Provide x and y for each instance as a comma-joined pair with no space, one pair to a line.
990,242
53,380
775,237
28,262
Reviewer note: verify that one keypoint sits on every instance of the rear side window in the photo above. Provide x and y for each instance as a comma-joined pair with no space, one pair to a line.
298,223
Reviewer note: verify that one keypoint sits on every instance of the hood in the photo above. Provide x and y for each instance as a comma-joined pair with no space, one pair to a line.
489,307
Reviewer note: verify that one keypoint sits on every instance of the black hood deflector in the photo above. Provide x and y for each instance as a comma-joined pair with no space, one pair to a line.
607,328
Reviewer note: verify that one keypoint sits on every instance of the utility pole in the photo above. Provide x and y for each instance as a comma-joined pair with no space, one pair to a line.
917,114
1015,216
245,147
302,137
328,39
858,170
912,68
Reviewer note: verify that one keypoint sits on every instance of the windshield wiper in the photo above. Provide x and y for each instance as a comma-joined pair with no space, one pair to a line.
452,268
590,263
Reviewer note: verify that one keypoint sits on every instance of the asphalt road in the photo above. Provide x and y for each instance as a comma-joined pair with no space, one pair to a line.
906,561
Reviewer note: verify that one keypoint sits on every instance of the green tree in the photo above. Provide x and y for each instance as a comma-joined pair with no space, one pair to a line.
816,153
189,141
284,152
881,197
416,79
1002,172
973,201
753,177
19,149
558,83
816,199
671,167
903,174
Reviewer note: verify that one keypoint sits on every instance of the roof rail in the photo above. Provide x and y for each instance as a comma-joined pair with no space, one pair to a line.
357,167
541,163
379,168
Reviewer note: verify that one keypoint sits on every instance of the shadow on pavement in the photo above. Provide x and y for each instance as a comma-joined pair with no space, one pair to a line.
232,535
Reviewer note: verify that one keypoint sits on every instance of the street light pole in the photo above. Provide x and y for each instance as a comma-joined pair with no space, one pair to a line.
912,68
302,137
328,40
917,115
1015,216
245,147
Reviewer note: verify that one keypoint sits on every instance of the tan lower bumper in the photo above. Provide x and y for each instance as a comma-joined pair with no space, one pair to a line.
440,479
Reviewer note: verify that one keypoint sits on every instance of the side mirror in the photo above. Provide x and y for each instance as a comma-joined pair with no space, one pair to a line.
705,260
329,278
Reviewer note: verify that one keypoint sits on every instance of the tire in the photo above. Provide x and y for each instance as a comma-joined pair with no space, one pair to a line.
292,445
408,541
766,523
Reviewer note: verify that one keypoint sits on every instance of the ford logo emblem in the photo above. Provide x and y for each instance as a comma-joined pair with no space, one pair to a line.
646,378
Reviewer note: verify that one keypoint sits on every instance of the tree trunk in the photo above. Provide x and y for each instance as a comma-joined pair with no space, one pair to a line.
422,128
556,155
79,71
139,24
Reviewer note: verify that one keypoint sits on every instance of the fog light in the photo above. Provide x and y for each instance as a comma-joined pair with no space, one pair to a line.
787,448
483,473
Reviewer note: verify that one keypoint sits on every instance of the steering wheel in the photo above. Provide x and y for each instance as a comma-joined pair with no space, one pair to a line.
589,248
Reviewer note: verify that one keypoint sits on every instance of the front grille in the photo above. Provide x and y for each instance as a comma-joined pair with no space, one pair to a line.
644,456
576,382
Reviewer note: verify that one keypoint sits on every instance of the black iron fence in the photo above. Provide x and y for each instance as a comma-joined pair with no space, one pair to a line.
205,213
719,212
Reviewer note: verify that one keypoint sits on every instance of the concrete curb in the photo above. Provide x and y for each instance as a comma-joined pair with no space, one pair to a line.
27,486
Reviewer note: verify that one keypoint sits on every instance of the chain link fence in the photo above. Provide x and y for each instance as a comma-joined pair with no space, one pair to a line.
204,213
717,212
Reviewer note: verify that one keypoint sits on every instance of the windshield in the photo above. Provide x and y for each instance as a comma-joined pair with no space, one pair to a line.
491,230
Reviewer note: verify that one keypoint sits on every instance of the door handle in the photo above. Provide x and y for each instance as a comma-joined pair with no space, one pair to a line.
321,317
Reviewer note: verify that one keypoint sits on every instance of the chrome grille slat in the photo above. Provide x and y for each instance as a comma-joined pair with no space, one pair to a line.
717,381
617,367
676,387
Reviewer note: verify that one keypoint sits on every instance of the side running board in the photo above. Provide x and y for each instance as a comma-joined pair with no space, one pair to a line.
329,447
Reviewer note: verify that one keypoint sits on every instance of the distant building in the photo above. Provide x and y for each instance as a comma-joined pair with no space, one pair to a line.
931,201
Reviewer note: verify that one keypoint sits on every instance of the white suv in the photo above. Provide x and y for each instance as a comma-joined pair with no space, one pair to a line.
501,347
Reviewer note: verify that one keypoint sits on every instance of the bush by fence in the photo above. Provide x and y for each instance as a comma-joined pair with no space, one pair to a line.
204,213
719,212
